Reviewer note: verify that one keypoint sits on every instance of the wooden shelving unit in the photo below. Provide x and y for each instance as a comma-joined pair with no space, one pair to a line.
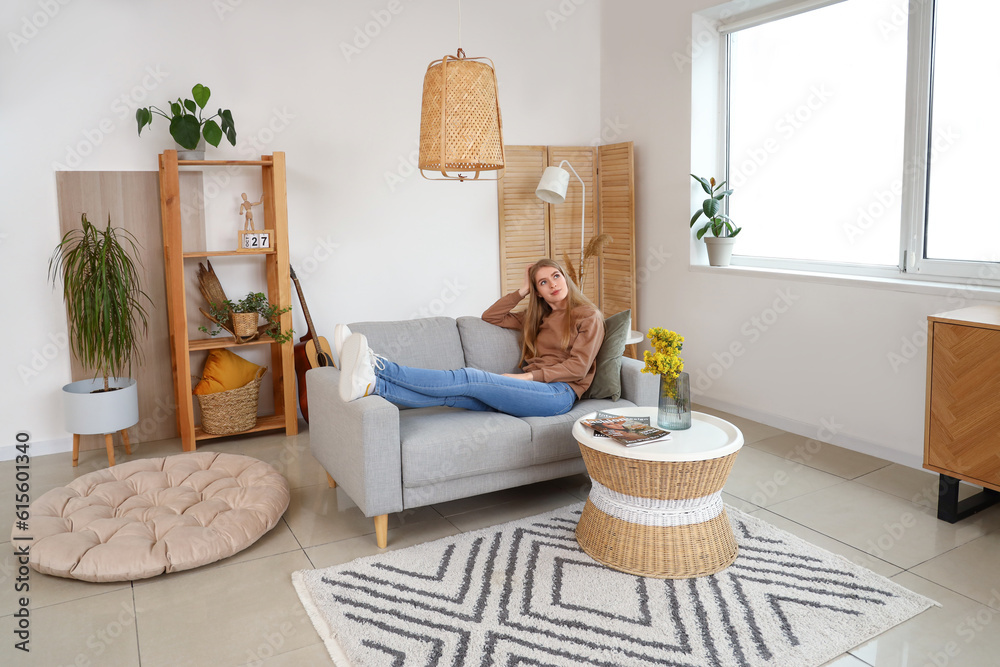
282,370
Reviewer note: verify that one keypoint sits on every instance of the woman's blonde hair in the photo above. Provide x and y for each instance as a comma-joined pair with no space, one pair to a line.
538,308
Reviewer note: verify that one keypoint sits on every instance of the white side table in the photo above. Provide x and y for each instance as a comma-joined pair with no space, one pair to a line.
656,510
634,338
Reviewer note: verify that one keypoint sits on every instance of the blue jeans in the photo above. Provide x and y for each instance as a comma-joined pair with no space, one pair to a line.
472,389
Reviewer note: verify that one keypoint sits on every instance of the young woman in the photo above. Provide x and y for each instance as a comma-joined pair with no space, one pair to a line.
561,332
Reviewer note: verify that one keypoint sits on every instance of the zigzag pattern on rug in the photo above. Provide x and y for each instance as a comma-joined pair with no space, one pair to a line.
525,594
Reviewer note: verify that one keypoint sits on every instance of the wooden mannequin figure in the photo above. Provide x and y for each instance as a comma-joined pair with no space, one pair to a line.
247,206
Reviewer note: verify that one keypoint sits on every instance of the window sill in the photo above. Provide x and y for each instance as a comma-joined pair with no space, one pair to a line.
965,288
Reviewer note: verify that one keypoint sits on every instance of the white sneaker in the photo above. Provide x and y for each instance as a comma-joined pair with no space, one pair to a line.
357,369
341,333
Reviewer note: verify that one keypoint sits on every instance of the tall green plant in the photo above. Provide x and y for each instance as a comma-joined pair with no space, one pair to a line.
103,295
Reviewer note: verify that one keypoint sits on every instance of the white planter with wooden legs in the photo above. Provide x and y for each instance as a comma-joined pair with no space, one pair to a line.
101,413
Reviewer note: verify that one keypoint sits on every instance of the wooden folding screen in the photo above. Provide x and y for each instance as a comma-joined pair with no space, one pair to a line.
530,228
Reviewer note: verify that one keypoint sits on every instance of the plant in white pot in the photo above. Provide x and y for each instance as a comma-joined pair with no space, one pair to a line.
107,318
188,126
720,243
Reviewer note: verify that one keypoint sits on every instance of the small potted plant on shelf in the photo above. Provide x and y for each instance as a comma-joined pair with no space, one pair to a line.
720,244
240,319
107,320
188,126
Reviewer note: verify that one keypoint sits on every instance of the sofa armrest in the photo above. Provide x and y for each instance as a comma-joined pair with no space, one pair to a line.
357,443
638,387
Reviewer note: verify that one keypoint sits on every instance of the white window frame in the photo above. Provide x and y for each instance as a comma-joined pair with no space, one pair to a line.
912,266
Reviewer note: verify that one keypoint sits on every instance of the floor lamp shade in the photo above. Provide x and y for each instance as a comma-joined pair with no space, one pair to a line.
553,185
461,134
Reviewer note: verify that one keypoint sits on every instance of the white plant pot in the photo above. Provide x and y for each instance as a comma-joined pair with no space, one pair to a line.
106,412
720,250
197,154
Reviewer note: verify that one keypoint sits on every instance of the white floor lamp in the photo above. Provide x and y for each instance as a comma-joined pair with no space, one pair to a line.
552,190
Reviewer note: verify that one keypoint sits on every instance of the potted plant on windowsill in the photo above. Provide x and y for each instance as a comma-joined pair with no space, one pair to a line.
720,243
107,320
188,126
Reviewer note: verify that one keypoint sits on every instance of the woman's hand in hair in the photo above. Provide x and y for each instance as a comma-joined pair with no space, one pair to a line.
526,283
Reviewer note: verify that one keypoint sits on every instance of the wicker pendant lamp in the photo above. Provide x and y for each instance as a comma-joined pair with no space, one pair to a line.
461,135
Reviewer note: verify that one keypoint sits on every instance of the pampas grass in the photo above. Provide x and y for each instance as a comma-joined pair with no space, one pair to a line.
593,248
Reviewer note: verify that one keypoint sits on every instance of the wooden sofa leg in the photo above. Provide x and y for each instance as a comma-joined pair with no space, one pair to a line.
331,481
382,530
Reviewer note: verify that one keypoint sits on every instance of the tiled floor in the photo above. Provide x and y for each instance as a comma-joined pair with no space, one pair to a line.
244,611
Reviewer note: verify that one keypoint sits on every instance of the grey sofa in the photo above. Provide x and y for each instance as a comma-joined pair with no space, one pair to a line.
389,459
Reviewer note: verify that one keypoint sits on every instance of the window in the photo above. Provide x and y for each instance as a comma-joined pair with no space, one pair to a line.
858,133
964,136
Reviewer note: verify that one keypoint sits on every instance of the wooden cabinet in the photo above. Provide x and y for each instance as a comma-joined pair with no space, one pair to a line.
278,289
962,419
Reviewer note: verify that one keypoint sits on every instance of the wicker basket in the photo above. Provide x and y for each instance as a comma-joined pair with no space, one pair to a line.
233,411
244,326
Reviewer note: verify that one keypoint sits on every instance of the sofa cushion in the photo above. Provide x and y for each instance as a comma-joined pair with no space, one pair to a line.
430,342
489,347
440,443
608,376
552,437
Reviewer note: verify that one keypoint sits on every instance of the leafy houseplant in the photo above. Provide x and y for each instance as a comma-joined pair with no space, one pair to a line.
674,410
104,297
187,124
254,303
720,247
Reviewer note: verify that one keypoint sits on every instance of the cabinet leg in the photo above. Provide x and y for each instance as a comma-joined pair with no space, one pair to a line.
952,510
76,449
128,446
382,530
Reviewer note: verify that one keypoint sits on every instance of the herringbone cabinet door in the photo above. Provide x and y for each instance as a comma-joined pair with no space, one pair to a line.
964,423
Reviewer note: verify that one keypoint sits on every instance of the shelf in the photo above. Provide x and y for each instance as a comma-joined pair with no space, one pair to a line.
281,362
209,163
226,253
227,341
268,423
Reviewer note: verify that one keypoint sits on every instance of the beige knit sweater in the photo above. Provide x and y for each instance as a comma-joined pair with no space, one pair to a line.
552,362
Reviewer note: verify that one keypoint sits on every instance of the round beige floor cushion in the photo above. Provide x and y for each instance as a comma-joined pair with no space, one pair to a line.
151,516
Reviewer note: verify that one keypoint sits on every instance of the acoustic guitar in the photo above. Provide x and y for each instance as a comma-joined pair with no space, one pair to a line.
311,351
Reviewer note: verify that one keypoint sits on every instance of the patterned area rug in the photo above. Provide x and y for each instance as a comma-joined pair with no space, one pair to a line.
523,593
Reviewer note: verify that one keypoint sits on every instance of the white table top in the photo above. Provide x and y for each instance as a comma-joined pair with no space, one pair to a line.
634,337
708,438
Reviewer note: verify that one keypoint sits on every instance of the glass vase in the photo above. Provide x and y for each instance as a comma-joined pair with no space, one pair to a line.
674,412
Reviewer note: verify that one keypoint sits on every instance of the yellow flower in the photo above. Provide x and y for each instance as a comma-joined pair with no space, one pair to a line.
665,360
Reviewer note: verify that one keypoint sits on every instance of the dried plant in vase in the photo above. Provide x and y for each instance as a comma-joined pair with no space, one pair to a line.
594,247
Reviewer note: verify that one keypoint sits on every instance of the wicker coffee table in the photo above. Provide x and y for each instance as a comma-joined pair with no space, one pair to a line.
656,510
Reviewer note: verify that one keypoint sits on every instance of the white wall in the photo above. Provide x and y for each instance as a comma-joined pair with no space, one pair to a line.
370,238
848,358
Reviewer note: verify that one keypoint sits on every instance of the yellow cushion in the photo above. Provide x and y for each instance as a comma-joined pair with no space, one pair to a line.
224,371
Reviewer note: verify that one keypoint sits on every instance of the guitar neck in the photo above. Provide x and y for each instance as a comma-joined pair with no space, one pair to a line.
305,308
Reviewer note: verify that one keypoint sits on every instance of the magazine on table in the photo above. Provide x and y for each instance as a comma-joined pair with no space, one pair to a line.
629,431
